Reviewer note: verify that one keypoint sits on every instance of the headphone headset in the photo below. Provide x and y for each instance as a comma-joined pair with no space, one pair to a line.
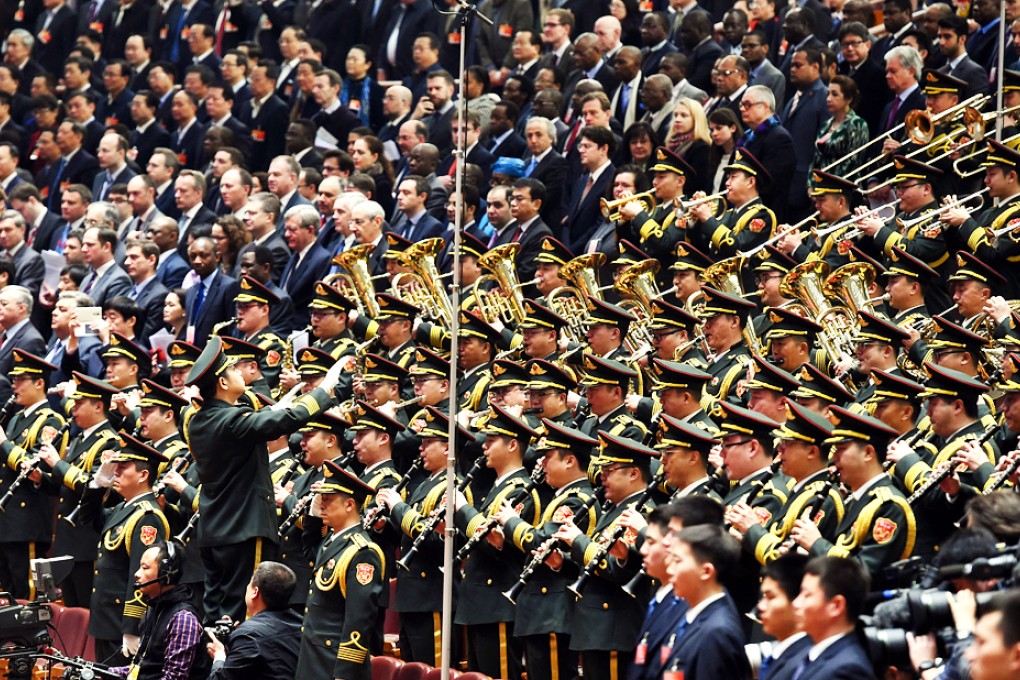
169,572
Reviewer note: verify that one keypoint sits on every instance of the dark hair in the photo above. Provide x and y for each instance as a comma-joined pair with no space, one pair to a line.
343,158
965,546
999,512
813,56
126,307
602,137
7,267
923,41
534,186
641,181
956,24
363,183
710,543
1008,605
276,583
263,256
696,510
902,5
76,272
849,88
842,576
787,571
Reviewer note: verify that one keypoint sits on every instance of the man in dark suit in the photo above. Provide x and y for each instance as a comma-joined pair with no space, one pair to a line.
219,104
595,147
148,133
803,117
334,119
76,166
903,68
129,18
868,74
503,141
113,166
189,192
529,230
709,642
186,141
176,28
590,64
982,43
772,146
115,107
55,30
211,300
798,28
29,268
655,41
147,290
105,280
625,101
547,166
266,115
474,152
408,19
896,14
953,42
171,267
374,15
308,264
40,224
413,222
17,328
261,220
702,51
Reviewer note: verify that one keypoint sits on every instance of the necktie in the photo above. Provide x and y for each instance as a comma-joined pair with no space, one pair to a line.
574,132
196,309
893,110
794,103
62,241
56,354
55,185
517,234
92,281
532,164
220,28
106,186
182,226
801,668
765,663
625,98
134,293
587,187
175,46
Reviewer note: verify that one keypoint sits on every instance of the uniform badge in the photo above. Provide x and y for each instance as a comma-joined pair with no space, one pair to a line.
273,358
630,536
148,535
762,514
519,508
932,232
562,514
884,530
843,246
330,564
364,573
757,224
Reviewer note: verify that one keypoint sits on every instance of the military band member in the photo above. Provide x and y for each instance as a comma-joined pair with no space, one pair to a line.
248,358
540,331
605,382
27,521
878,526
878,343
476,348
253,307
685,448
1002,177
126,531
228,441
817,391
962,350
429,377
679,387
549,386
657,230
725,318
805,460
767,388
471,250
394,325
971,285
896,401
748,223
488,571
690,263
329,308
127,363
312,365
419,587
607,620
607,329
833,197
344,598
769,273
69,475
792,340
627,256
552,257
182,357
907,280
544,607
674,335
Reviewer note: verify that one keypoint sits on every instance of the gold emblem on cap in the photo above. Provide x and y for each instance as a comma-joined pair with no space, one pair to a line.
589,364
498,370
817,178
392,239
738,155
177,350
536,369
932,78
320,288
246,283
591,305
327,471
419,357
529,308
383,302
547,245
428,416
657,309
681,251
464,318
960,260
775,317
660,154
898,163
370,362
146,389
306,356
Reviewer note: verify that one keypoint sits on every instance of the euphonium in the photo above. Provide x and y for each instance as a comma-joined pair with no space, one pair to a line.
582,273
851,283
638,283
421,260
611,209
501,261
807,283
725,275
355,261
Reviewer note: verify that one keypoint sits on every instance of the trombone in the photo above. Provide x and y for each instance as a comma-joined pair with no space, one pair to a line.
853,219
611,209
813,217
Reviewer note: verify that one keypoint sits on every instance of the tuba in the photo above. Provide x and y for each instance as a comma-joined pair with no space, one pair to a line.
570,301
638,285
851,283
420,258
357,284
807,282
508,303
725,275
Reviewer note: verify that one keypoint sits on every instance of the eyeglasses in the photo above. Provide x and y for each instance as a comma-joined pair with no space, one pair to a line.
736,443
851,43
608,470
726,73
551,24
903,187
424,379
744,104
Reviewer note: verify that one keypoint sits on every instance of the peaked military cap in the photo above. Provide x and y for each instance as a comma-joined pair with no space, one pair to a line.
815,384
969,267
252,290
132,450
909,169
889,386
850,426
502,423
773,259
823,183
396,246
604,313
629,254
122,348
338,480
328,297
905,264
242,350
675,375
937,82
614,450
87,387
553,252
436,425
183,354
768,376
666,316
718,302
785,324
874,328
735,419
573,441
506,373
368,417
154,394
689,258
472,246
325,422
599,371
472,326
667,161
537,315
391,308
676,433
379,368
745,161
314,361
804,425
544,374
31,365
949,335
946,382
427,362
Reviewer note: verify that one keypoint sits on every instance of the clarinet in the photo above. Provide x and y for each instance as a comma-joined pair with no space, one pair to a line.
372,514
186,532
604,545
936,478
437,515
179,464
31,466
305,501
763,482
292,470
537,477
817,502
1000,478
5,411
543,551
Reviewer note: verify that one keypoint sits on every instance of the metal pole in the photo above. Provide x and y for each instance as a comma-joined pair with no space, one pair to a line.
999,68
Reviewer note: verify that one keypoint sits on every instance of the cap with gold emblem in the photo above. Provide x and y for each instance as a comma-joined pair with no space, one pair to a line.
823,183
950,383
667,161
815,384
667,317
87,387
155,395
553,252
381,369
253,291
948,335
904,264
857,255
325,422
395,246
328,297
504,424
472,246
689,258
211,363
436,425
1010,80
678,376
615,450
314,361
122,348
775,260
675,433
629,254
31,365
908,169
718,302
427,362
745,161
537,315
368,417
544,375
335,479
1010,384
472,326
768,376
735,419
242,350
873,328
1000,155
391,308
804,425
567,439
506,373
893,386
606,314
969,268
183,354
937,82
851,426
135,450
786,324
599,371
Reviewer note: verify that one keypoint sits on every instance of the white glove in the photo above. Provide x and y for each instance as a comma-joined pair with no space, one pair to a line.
129,644
104,476
332,377
315,510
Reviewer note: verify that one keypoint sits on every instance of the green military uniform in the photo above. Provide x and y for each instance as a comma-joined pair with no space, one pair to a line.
617,422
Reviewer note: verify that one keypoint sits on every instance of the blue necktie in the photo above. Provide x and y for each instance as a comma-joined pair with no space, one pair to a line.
196,310
55,185
531,167
175,48
801,668
765,663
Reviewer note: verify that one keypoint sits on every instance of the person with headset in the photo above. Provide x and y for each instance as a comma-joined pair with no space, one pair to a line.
171,629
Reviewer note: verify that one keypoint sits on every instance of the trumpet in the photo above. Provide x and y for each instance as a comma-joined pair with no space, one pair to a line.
907,224
372,514
813,217
611,209
853,219
683,206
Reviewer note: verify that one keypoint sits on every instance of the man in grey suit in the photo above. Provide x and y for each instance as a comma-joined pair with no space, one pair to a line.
142,199
147,290
18,331
105,278
953,44
29,268
674,67
755,48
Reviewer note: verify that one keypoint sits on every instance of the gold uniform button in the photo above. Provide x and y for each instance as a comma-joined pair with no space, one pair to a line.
116,601
488,582
423,574
605,605
22,503
544,590
329,643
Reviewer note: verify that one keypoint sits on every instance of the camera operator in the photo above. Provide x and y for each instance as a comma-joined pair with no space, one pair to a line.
995,653
171,630
266,645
